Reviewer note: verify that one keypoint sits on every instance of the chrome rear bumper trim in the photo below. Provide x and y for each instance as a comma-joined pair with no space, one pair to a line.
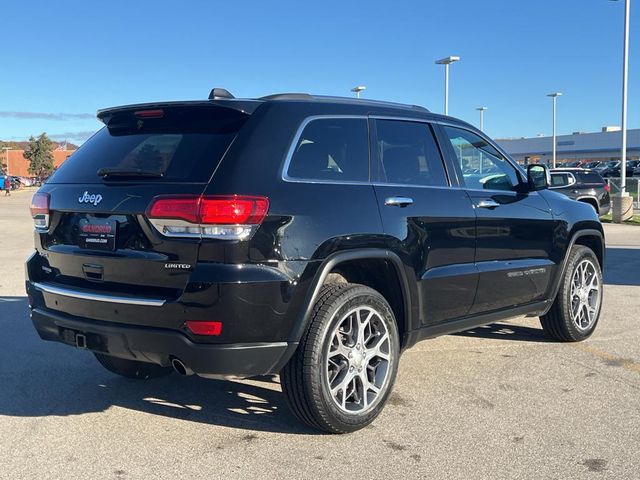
84,295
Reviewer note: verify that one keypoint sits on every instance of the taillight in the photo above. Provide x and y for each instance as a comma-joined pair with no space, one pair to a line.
40,210
233,217
607,187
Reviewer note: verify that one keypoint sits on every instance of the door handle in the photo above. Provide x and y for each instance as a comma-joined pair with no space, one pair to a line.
398,201
487,203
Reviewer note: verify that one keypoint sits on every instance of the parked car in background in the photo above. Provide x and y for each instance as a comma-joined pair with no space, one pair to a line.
636,170
26,181
609,169
612,169
632,165
574,164
583,185
15,182
590,165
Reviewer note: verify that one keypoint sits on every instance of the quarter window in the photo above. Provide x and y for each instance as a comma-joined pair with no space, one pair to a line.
333,149
482,166
408,154
559,180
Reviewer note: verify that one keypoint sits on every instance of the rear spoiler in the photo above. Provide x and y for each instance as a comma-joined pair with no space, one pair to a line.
246,107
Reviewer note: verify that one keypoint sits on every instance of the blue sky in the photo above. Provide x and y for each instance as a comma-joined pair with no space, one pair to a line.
63,60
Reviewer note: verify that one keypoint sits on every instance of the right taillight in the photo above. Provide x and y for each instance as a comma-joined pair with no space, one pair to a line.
231,217
607,188
40,210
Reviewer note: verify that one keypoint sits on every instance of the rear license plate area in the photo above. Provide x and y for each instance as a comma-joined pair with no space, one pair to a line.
97,233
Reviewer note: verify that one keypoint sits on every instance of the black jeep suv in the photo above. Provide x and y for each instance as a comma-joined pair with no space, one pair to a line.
313,237
583,185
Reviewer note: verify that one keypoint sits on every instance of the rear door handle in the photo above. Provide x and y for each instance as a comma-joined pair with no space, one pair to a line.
487,203
398,201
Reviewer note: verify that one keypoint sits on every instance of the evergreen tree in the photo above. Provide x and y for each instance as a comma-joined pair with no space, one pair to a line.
40,156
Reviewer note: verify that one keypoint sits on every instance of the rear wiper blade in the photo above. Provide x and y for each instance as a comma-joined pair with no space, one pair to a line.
127,172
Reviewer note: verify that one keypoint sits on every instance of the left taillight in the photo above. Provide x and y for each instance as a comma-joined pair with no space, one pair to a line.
230,217
40,210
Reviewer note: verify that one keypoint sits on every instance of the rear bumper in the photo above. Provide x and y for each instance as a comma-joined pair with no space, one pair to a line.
159,346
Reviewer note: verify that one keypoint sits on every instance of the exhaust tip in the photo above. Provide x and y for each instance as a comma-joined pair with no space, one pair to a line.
181,368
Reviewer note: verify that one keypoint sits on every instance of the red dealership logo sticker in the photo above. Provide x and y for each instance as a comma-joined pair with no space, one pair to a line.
95,228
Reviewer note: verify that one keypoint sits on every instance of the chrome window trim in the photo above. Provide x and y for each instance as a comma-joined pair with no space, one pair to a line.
309,119
292,149
84,295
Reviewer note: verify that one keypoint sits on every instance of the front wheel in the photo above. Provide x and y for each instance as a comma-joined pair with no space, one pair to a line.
345,366
576,310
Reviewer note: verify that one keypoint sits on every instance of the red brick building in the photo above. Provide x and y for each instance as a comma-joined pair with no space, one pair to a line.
19,166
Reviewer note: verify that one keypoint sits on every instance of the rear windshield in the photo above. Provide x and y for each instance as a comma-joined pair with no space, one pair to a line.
589,177
184,145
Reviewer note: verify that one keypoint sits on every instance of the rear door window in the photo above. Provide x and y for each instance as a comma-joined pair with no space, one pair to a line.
184,145
407,154
332,149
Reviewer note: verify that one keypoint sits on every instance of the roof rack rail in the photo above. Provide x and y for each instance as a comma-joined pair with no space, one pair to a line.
220,93
288,96
328,98
367,101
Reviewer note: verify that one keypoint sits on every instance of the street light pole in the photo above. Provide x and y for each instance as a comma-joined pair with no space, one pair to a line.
625,84
481,110
446,62
358,89
554,96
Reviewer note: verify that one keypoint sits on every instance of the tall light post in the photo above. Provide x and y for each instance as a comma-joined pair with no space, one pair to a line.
625,83
358,89
554,96
482,110
446,62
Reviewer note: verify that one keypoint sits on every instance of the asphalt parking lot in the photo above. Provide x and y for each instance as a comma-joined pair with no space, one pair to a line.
496,402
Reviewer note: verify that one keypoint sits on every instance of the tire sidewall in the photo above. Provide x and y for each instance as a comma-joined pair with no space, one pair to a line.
358,296
575,333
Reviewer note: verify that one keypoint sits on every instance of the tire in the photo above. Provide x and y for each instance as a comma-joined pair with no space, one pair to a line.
339,314
132,368
559,323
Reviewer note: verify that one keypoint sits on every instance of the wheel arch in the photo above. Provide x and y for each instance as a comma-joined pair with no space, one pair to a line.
590,238
593,201
348,258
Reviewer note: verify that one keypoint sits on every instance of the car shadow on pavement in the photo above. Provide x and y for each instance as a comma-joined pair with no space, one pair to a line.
506,331
41,378
622,266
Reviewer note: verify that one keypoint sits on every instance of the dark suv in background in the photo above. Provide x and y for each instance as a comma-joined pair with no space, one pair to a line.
583,185
315,237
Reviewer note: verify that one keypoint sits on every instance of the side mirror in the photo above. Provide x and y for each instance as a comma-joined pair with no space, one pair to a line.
537,177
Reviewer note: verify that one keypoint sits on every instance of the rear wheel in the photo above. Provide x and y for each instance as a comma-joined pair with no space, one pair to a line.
344,369
576,310
132,368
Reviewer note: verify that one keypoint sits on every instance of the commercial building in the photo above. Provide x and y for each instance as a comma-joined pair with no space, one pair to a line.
18,166
599,146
